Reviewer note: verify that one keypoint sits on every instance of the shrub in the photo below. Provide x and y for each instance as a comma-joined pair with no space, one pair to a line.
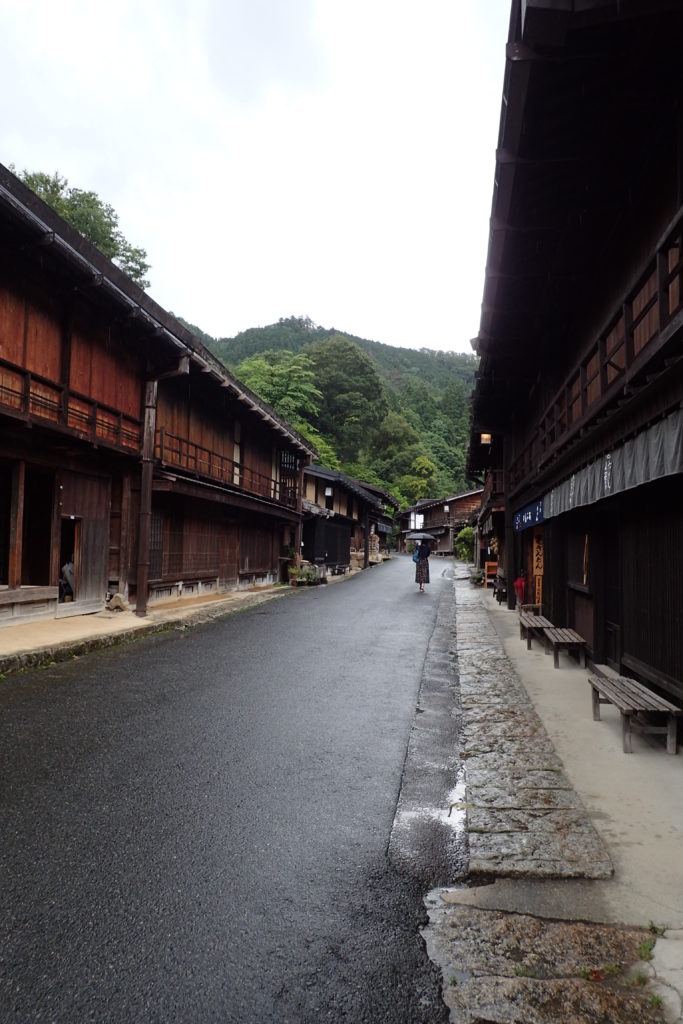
464,544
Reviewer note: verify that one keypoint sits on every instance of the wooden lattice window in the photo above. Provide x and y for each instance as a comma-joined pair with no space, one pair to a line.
645,314
615,351
675,267
593,378
574,398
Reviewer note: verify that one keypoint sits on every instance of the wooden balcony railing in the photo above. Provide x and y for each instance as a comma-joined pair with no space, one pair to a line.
32,396
180,453
631,338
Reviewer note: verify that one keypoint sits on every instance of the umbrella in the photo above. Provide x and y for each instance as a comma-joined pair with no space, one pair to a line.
420,536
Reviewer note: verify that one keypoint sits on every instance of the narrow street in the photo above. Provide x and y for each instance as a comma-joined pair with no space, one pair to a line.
195,826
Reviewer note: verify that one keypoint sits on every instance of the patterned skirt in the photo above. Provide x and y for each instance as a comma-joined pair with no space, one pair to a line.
422,571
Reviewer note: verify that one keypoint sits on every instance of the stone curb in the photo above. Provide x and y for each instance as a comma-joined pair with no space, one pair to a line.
524,818
172,620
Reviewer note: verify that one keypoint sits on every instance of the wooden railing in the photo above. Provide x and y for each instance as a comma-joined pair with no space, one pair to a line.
32,396
621,350
180,453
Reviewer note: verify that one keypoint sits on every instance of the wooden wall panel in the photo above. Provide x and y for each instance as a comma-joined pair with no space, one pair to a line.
652,575
206,428
257,457
258,552
79,377
12,317
43,342
104,372
172,412
129,385
200,547
228,546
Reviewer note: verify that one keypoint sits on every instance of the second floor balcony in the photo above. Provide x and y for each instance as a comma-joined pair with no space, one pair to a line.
33,398
174,452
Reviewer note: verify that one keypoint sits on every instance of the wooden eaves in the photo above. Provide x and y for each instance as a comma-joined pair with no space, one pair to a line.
590,106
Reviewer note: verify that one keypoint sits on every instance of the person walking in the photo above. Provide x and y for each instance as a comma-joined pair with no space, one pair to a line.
422,565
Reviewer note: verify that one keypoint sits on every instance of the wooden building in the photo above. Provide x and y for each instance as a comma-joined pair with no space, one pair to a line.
578,405
444,518
490,522
341,520
382,523
126,448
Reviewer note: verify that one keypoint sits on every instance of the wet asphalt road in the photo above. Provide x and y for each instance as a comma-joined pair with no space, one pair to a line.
194,827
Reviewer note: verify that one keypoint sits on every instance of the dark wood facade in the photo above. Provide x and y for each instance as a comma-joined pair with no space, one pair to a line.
342,519
444,518
580,384
124,444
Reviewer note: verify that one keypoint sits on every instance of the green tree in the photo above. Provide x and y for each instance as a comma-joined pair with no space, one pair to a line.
95,220
354,401
394,435
286,381
419,483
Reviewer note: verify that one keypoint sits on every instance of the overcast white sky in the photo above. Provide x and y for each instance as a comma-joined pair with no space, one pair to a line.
322,158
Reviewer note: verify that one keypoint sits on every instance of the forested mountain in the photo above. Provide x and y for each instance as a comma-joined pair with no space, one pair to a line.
395,417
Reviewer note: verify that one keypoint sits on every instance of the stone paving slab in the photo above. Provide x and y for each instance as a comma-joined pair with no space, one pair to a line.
519,969
515,826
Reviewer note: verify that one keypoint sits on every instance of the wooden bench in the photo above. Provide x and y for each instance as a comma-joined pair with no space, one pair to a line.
634,700
564,639
531,625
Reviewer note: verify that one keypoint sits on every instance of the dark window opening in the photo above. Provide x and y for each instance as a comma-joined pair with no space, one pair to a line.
579,560
37,535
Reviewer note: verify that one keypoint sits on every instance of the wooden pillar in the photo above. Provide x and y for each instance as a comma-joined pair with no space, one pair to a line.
303,462
16,524
145,517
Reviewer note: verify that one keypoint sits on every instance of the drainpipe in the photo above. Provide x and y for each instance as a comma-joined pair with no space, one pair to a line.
145,517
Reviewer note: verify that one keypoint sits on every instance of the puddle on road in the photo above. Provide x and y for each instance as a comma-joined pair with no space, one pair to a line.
451,814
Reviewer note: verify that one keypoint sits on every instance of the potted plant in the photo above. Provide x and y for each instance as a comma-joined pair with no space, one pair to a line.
293,572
